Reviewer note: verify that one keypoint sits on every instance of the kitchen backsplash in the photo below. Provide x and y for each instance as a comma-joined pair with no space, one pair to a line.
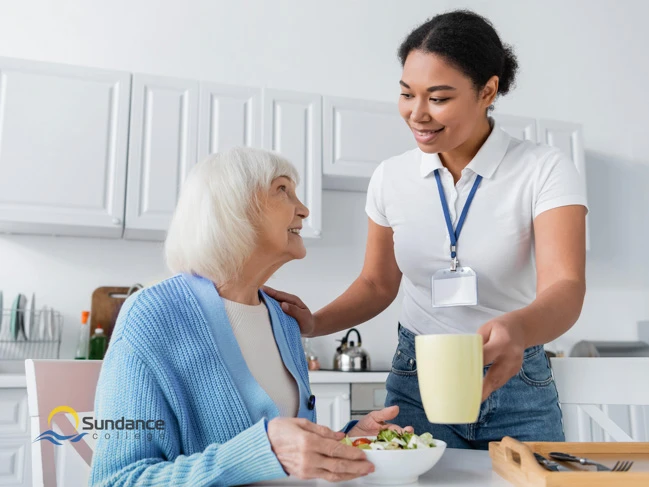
63,272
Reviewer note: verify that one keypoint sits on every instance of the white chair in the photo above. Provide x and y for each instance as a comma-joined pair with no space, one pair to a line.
50,385
598,395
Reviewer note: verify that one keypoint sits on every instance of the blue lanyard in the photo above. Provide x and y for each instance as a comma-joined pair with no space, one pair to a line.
455,234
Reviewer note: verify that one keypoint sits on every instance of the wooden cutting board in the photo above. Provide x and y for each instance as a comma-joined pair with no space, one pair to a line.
514,461
105,305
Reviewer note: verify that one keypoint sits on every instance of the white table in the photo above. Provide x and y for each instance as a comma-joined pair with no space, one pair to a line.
457,468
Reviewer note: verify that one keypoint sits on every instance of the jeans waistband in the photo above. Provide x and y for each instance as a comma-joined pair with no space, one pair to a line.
409,338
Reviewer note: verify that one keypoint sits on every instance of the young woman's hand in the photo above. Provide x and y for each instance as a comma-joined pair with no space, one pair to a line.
504,346
372,423
293,306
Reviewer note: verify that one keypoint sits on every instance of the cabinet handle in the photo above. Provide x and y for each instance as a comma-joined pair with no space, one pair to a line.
117,221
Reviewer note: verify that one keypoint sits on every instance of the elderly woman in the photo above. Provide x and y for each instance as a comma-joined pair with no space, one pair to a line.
212,364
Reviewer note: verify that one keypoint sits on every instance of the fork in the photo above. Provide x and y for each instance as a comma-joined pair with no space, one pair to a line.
621,466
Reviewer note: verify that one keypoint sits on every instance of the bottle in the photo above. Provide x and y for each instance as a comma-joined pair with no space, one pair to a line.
98,344
311,358
84,336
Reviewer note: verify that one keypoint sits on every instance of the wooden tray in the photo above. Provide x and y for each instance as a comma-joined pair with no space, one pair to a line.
514,461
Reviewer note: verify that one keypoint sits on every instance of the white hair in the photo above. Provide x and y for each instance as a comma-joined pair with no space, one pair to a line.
212,232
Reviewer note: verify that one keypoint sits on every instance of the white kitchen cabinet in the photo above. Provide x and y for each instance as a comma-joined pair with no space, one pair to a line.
15,442
333,405
357,136
567,137
162,149
523,128
292,126
15,463
14,417
63,146
229,116
66,134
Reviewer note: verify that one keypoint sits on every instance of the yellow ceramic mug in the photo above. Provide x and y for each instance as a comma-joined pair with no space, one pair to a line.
449,369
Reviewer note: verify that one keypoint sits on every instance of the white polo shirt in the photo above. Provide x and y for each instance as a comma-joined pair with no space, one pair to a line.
520,181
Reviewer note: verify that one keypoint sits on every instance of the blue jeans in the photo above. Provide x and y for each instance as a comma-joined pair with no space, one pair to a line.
526,408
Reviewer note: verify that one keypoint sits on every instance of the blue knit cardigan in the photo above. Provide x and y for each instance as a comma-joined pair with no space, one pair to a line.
173,357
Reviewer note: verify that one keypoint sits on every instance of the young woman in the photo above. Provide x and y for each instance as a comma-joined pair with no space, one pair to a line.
469,201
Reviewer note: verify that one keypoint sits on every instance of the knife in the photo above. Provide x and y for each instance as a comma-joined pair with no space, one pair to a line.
550,465
564,457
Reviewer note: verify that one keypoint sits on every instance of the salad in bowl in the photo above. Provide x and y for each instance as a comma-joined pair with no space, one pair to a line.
398,458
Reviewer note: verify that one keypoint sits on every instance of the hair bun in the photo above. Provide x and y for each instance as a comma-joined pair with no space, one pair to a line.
510,68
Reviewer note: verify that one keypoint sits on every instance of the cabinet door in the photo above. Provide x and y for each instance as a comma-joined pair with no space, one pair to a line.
13,412
292,126
230,116
567,137
15,442
523,128
332,404
63,142
358,135
162,150
15,462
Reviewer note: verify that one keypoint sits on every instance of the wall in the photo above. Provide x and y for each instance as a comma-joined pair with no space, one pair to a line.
582,61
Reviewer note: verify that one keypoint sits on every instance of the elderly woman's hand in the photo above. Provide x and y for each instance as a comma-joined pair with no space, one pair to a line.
372,423
308,451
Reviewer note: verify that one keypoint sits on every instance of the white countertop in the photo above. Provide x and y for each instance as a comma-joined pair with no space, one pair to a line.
457,468
315,377
12,373
337,377
12,380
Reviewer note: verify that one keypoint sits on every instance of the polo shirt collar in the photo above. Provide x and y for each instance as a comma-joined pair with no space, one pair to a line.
485,162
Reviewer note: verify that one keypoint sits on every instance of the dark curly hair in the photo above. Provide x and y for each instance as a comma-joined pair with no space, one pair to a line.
469,42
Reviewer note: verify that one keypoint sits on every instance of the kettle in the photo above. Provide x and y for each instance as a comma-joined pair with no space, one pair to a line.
349,357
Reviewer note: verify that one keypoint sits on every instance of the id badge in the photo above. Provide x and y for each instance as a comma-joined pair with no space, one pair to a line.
455,288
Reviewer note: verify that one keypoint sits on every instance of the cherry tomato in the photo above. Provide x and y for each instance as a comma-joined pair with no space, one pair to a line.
361,441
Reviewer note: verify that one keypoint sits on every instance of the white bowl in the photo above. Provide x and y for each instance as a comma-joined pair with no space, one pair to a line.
401,467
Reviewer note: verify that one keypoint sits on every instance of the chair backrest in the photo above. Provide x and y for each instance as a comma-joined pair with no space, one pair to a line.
58,390
604,399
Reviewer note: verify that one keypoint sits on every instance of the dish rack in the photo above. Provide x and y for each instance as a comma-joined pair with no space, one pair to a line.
30,334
